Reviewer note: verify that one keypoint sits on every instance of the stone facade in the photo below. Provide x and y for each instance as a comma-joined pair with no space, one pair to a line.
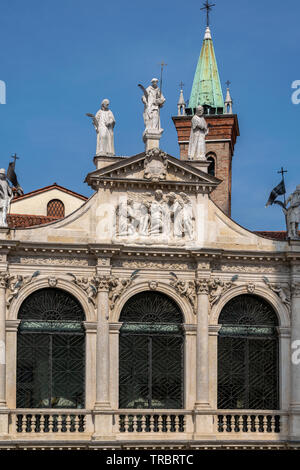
85,256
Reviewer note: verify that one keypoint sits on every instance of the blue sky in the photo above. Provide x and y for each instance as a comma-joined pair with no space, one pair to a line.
60,58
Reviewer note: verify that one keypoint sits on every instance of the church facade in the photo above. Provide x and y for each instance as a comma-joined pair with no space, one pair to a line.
148,318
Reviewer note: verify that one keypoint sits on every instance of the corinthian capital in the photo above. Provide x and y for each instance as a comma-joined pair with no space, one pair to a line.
102,283
296,289
202,286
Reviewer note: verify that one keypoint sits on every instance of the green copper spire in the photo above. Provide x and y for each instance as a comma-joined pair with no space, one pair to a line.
206,88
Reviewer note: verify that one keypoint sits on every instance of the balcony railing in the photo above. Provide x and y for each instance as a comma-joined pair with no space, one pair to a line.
147,424
54,421
235,422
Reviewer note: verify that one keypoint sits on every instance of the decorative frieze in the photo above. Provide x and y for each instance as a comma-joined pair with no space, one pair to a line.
140,264
50,260
246,268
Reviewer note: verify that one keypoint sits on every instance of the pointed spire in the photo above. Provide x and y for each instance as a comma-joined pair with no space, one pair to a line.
207,88
228,100
181,105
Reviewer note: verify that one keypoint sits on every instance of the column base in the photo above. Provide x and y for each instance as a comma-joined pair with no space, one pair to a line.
204,425
202,406
104,424
102,405
294,424
4,421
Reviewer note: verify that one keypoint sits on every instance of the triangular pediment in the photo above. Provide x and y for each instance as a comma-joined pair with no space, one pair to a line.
154,167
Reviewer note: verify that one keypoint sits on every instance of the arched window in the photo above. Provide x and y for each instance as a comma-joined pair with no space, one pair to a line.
248,355
151,353
56,208
50,351
211,158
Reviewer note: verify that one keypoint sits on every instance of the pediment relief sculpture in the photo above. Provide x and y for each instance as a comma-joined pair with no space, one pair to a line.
155,165
169,218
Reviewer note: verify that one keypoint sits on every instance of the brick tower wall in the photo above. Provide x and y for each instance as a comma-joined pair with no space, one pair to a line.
220,141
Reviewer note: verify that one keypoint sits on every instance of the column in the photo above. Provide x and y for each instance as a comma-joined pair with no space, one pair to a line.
103,417
204,423
202,360
3,406
295,363
3,283
102,355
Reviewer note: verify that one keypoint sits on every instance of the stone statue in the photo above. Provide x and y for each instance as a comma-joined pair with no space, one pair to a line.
104,123
293,214
199,129
153,100
188,216
6,196
157,213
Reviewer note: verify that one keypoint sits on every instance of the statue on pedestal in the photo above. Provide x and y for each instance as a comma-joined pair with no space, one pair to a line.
199,130
104,123
293,214
6,196
153,100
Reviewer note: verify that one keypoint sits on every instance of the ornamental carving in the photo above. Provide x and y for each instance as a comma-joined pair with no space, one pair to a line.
282,291
296,289
92,286
185,289
214,288
155,165
47,260
244,268
165,218
4,278
251,288
52,281
15,284
140,264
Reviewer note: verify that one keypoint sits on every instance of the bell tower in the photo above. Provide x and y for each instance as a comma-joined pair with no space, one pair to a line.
223,124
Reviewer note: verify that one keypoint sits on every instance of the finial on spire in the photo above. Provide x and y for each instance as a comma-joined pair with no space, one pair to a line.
181,105
208,7
228,100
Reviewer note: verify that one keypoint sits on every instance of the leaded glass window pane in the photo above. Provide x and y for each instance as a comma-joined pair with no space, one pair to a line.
248,355
151,353
50,351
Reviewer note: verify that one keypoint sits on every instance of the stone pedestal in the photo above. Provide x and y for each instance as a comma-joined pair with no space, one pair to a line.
199,164
102,161
151,138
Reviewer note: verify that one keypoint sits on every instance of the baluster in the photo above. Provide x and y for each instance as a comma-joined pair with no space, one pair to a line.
256,423
249,422
24,423
33,424
68,423
240,423
50,423
265,424
76,424
42,423
169,423
176,423
59,424
272,424
143,423
160,424
126,423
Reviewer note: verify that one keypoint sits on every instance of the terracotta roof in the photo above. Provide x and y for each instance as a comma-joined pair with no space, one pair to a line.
26,220
280,235
48,188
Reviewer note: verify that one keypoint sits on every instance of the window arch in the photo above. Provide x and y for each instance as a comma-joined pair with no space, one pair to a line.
248,355
50,351
151,353
56,208
211,158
